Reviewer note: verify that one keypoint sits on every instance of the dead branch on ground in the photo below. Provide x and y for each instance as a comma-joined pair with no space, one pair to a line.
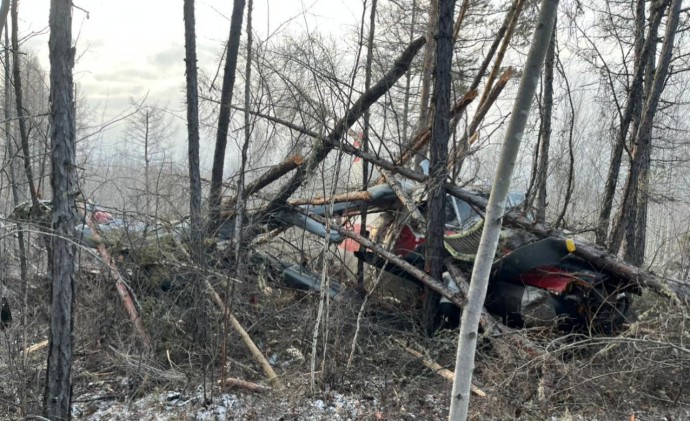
437,368
256,353
243,384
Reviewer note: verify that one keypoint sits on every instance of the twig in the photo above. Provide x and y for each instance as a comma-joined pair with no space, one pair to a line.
97,398
35,347
339,198
438,368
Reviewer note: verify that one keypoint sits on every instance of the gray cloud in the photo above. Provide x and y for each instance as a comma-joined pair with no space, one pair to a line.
170,57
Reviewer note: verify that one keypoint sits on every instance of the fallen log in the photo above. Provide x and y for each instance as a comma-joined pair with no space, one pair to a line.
253,349
35,347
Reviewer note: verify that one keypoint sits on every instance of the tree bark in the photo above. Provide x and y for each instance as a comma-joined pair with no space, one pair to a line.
58,391
467,338
633,103
21,115
643,146
4,10
428,65
544,143
438,151
23,267
365,137
216,192
408,78
192,91
197,317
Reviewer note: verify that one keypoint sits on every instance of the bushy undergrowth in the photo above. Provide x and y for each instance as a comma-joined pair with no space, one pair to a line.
644,370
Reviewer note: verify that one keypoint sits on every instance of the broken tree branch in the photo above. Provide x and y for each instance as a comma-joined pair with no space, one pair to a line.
418,222
421,139
324,146
437,368
459,151
120,285
256,353
253,387
514,16
339,198
268,177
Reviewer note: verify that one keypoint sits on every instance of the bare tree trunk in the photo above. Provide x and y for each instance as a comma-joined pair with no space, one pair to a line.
633,103
16,200
147,161
365,138
197,226
571,154
58,392
23,268
543,162
427,70
467,339
438,151
4,10
216,192
408,78
636,227
19,101
428,65
642,151
241,198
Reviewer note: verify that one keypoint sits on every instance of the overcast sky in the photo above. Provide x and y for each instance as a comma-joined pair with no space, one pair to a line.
128,48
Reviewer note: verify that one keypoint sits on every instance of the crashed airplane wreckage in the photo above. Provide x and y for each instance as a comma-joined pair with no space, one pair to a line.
534,281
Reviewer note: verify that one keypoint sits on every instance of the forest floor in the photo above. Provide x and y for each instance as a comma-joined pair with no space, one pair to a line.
641,374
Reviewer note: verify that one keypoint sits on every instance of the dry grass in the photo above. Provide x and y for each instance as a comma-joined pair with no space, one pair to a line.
645,369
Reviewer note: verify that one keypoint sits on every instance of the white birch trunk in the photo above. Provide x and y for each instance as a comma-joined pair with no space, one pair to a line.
467,340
